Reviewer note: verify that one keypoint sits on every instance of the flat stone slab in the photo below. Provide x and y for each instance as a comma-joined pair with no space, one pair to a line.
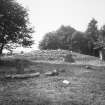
49,73
22,76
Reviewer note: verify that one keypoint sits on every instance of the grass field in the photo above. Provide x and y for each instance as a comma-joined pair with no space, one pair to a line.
86,87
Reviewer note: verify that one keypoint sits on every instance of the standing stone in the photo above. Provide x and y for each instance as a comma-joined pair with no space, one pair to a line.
19,66
100,54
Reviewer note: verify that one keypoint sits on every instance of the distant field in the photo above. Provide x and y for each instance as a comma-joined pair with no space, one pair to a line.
86,87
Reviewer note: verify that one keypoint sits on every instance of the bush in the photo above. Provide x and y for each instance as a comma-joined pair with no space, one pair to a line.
69,58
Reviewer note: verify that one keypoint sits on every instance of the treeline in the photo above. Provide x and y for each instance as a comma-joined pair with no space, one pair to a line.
68,38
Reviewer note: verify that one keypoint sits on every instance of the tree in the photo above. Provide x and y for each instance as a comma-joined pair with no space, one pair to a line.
14,25
102,34
99,46
92,30
92,34
59,39
79,42
64,34
49,41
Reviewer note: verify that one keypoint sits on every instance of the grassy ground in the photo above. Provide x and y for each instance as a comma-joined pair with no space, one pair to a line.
87,86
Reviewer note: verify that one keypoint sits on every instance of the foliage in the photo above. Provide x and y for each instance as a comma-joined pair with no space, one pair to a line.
102,34
65,35
50,41
59,39
68,38
92,34
80,42
92,30
14,25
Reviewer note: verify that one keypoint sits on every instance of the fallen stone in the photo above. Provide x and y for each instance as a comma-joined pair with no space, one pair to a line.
55,72
22,76
52,73
49,73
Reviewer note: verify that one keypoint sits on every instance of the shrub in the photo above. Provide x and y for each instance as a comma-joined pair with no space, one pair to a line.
69,58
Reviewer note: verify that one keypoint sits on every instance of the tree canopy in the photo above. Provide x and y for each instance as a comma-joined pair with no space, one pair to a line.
59,39
80,42
92,30
68,38
14,25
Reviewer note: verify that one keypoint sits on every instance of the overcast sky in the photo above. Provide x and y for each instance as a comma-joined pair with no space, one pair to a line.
49,15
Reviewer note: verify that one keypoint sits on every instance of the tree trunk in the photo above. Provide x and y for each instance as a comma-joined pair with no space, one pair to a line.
1,49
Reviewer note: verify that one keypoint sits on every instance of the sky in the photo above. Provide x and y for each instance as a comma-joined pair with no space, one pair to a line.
49,15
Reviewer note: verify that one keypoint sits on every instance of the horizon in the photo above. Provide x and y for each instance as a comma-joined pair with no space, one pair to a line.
49,15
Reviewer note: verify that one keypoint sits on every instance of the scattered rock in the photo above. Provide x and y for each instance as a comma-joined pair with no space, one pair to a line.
87,67
66,82
55,72
52,73
49,73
